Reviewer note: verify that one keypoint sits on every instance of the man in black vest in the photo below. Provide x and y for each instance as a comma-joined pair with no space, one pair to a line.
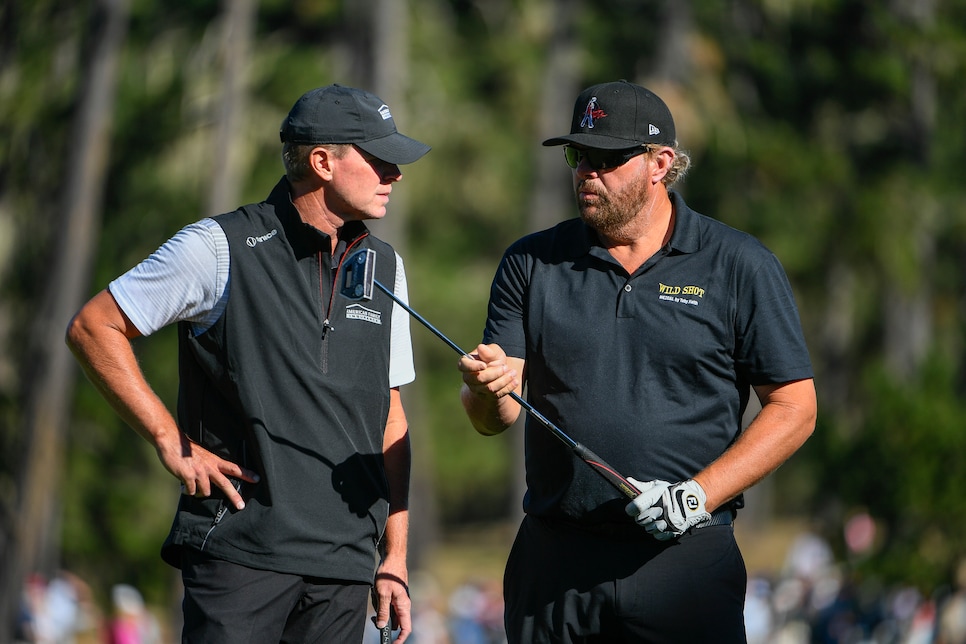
291,442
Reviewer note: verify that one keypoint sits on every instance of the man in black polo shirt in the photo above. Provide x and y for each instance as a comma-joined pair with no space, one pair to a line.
640,328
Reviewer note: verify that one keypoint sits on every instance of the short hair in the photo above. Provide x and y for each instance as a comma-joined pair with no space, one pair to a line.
295,157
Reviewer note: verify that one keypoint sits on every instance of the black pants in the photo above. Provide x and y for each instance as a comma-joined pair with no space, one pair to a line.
226,602
568,585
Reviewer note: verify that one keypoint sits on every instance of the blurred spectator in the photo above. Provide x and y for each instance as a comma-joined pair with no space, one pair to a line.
952,616
429,612
465,604
131,622
55,611
759,619
491,612
811,599
808,558
476,613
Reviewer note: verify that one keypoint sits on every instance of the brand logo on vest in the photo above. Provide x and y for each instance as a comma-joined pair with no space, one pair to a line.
251,241
359,312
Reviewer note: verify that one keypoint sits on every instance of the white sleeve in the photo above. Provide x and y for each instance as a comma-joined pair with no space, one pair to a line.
186,279
402,369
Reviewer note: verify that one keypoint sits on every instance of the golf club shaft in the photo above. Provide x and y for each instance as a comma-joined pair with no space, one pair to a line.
585,454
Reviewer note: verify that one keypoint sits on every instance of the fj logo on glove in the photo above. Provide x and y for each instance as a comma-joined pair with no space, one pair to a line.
688,503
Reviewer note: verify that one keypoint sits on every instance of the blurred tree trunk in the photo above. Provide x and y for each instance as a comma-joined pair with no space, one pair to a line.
227,161
908,315
552,199
238,18
36,544
838,336
390,80
377,46
673,63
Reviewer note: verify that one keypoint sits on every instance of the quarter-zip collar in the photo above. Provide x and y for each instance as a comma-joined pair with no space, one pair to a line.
305,239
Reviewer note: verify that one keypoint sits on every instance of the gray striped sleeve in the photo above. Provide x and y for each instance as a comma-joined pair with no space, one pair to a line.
186,279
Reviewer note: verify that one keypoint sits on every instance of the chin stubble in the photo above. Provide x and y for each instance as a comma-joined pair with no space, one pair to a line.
613,212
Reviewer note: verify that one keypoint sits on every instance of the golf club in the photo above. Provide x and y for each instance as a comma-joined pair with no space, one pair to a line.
358,279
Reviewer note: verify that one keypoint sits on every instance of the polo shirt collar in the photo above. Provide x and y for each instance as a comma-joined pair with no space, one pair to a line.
580,245
686,237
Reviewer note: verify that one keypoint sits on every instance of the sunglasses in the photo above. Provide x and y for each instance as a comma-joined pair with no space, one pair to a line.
599,159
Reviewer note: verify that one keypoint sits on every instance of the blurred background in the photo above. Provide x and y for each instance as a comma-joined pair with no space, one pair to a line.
833,130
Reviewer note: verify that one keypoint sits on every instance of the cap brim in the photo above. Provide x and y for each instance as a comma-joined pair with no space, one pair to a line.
395,148
598,141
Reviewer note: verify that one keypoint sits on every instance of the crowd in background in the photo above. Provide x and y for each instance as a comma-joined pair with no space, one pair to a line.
818,600
813,599
62,610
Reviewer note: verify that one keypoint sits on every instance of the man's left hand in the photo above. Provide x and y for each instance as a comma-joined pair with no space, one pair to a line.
391,599
679,508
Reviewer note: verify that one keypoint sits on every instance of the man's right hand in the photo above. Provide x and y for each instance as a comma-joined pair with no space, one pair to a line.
489,376
486,372
201,471
645,508
100,336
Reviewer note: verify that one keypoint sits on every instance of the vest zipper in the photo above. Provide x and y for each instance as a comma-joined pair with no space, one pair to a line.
327,313
223,505
220,514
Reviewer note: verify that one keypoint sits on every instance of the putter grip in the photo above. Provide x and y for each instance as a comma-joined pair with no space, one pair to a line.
385,634
609,473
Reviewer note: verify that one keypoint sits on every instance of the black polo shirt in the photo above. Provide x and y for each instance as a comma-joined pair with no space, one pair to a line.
650,370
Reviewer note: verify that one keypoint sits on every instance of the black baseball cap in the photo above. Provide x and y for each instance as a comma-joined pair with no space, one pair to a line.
338,114
612,116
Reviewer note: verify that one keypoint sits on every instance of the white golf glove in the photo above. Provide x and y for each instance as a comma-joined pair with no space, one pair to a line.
646,508
667,511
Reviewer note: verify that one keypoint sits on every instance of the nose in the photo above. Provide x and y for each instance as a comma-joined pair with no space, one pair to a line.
583,168
390,172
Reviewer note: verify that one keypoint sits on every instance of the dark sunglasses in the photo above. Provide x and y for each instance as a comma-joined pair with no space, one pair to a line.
599,159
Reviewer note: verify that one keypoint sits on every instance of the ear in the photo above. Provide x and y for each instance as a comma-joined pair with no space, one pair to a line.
320,160
663,159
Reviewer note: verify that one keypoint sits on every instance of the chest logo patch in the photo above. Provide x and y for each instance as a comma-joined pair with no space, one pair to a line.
359,312
689,295
253,240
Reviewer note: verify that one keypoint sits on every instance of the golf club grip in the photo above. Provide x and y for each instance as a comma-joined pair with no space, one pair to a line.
385,635
609,473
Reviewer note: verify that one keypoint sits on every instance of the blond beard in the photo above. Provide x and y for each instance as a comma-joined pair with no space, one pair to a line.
614,213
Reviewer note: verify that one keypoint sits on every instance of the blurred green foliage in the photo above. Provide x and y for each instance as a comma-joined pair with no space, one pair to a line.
831,129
